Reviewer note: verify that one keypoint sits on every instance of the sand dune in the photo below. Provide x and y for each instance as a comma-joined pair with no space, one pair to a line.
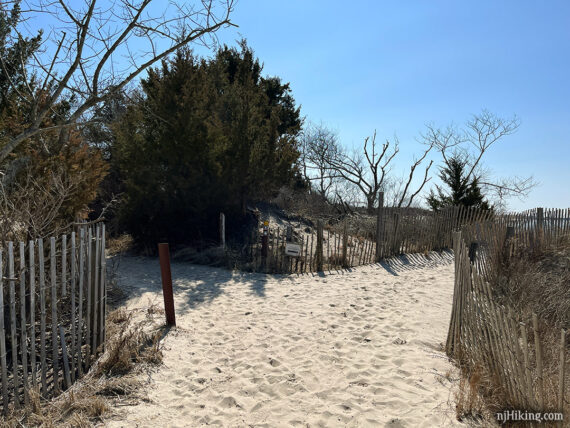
351,348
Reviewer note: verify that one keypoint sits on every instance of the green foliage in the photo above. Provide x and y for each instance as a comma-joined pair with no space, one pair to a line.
47,181
204,136
15,52
462,191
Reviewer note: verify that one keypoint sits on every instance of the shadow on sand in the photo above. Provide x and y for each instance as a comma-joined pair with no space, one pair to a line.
195,284
410,262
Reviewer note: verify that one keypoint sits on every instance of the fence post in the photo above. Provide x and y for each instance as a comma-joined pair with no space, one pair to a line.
223,230
164,256
344,245
319,249
454,323
380,226
289,233
264,245
540,224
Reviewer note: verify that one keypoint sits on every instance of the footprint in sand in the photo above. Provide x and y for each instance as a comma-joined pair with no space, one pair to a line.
229,402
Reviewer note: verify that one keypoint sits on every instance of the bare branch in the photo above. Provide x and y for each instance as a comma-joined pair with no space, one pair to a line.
90,66
411,176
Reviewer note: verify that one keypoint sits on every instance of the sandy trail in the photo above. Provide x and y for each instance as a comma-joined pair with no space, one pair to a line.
352,348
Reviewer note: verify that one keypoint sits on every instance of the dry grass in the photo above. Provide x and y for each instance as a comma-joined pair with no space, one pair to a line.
479,396
132,346
129,344
120,245
537,281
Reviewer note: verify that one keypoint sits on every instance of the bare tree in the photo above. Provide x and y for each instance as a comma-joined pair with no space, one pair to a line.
481,132
365,170
402,194
369,170
93,50
318,146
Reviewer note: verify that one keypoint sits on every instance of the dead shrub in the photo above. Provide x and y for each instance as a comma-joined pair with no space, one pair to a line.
129,347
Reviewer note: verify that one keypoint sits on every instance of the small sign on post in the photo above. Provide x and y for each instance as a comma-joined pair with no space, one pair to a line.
164,256
292,250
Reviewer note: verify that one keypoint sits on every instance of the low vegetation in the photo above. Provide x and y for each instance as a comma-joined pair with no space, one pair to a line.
534,281
132,346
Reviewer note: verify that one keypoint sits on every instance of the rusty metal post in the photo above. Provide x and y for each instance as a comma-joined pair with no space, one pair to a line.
164,255
223,231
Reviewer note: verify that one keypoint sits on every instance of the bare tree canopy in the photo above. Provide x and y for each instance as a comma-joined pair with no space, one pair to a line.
471,143
93,49
318,145
330,168
366,169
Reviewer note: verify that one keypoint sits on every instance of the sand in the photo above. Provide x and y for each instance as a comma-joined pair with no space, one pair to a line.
359,347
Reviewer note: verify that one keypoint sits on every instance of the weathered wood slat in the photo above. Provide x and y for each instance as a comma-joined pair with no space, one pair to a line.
67,375
64,266
103,292
79,345
13,326
73,286
43,363
23,323
3,365
54,341
95,244
89,308
32,270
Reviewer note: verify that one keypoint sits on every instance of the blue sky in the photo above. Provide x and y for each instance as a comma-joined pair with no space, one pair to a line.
395,66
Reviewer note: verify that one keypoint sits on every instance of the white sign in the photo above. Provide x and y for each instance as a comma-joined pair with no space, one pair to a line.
292,250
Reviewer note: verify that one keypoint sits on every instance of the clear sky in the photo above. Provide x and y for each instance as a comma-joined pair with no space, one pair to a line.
395,66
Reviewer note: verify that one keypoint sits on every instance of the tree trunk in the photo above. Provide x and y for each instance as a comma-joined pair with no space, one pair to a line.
370,200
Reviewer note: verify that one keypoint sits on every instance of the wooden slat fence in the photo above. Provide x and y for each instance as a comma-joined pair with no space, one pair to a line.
52,312
396,231
484,335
